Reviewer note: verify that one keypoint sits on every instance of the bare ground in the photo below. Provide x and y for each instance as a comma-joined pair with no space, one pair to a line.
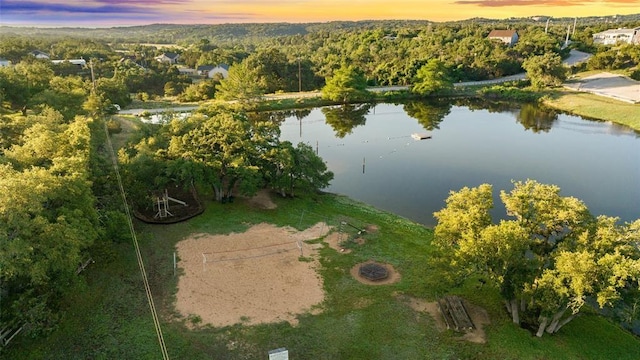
478,315
251,277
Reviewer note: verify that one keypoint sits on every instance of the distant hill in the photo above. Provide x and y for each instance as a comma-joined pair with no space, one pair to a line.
250,33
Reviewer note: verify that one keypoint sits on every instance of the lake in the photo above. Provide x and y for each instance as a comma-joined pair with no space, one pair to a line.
375,160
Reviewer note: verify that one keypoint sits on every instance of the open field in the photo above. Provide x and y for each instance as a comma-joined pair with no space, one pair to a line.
109,318
596,107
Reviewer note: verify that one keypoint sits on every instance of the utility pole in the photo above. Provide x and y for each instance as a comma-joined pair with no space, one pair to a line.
93,77
299,76
546,27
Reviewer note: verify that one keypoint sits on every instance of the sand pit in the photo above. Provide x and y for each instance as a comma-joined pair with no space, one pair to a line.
251,277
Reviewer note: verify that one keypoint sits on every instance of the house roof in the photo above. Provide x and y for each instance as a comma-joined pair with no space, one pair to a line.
38,52
621,31
171,55
205,67
501,33
211,67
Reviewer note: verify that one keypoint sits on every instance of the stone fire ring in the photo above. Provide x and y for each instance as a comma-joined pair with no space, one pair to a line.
374,273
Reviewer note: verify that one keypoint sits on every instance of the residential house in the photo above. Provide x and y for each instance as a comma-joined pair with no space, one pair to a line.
614,36
168,57
4,62
40,55
79,62
211,70
509,37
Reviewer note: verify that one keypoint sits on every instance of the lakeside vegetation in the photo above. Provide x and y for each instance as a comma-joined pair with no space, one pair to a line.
108,317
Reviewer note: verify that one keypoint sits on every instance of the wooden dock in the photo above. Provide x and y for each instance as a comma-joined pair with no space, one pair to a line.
421,136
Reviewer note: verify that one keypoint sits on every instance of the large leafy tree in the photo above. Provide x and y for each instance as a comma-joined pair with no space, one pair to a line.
21,83
346,85
243,84
47,216
545,70
297,169
548,259
223,146
432,78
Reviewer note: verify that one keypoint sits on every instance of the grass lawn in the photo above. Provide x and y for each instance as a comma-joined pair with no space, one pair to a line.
108,317
596,107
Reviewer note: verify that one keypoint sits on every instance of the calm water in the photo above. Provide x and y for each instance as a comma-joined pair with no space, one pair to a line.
596,162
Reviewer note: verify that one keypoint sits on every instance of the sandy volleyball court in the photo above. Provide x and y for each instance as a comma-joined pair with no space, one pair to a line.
251,277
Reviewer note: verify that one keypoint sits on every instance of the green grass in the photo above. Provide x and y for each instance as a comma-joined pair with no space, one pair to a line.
596,107
108,317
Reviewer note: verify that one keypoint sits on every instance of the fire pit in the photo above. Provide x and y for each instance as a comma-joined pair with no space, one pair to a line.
373,272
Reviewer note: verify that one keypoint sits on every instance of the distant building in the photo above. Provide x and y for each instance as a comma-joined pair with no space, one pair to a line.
509,37
79,62
614,36
211,70
4,62
168,57
39,54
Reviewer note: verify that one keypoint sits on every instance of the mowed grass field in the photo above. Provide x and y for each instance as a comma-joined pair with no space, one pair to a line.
596,107
108,316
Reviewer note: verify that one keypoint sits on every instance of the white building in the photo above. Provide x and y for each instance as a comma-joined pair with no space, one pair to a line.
509,37
614,36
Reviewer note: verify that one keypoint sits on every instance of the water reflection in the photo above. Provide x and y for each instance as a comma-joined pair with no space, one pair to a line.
536,118
344,118
428,114
470,145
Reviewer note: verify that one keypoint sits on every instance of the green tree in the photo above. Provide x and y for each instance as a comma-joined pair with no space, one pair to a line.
47,217
298,169
346,85
224,149
545,70
21,83
547,260
243,84
432,78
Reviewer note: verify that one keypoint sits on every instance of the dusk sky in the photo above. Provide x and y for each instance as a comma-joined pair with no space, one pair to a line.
105,13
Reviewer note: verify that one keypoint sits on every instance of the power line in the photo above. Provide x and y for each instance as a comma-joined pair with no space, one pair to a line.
145,280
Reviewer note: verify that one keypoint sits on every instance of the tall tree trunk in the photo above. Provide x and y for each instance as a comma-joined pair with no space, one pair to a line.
554,322
217,193
512,308
542,326
565,322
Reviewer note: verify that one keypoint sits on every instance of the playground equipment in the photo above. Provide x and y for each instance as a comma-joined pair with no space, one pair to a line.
161,205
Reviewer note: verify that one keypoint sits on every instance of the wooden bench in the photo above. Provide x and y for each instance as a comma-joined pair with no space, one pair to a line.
455,314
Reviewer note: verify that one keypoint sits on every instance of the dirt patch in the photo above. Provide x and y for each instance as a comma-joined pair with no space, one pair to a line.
262,200
478,315
337,240
253,277
393,277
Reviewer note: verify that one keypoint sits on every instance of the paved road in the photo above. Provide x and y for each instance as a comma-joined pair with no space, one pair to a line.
137,112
